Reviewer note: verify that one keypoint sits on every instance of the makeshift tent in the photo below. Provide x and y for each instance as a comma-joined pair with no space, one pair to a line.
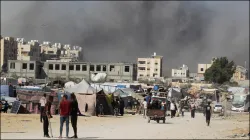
86,96
69,84
30,100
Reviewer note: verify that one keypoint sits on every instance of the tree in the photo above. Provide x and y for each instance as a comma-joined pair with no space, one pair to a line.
221,71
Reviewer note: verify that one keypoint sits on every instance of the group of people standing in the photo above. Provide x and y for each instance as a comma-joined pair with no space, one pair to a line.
67,109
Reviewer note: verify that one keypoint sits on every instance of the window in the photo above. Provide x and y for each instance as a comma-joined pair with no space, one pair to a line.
84,68
12,65
57,67
148,68
156,69
141,75
156,63
78,67
31,66
148,75
126,68
104,68
98,68
92,68
111,67
51,67
141,68
24,65
71,67
141,62
148,63
63,67
202,69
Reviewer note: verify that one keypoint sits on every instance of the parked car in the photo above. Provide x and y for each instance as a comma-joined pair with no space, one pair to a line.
218,108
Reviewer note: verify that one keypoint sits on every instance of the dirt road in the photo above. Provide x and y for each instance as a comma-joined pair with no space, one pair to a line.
128,127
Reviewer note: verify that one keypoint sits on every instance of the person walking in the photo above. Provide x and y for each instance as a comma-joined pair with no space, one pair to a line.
73,112
42,105
172,109
122,105
208,113
192,110
145,105
64,115
46,114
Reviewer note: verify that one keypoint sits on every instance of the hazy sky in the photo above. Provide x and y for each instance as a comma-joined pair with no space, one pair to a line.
182,32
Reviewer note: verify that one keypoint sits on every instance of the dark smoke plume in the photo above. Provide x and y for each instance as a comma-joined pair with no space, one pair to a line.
183,32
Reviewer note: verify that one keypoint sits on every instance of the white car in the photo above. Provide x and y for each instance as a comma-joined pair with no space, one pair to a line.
218,108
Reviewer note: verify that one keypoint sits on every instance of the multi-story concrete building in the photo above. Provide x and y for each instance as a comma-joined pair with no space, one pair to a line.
74,70
149,67
30,51
62,52
240,74
202,69
24,68
8,51
182,72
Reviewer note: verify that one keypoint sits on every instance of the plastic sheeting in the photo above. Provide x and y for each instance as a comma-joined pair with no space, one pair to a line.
7,90
69,84
83,87
236,90
86,100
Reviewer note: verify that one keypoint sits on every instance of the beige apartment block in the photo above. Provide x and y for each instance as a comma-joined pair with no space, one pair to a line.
203,67
149,67
8,50
29,51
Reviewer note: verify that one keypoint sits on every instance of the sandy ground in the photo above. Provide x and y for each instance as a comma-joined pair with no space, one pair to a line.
128,127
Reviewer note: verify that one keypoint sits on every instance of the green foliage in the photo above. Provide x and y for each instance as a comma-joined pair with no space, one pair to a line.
220,72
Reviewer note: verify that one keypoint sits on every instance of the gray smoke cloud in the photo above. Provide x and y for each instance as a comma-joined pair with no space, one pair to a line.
182,32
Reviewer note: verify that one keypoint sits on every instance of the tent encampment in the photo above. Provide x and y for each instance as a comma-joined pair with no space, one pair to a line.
86,96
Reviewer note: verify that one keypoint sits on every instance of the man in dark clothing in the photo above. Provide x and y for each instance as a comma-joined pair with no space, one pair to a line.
73,112
64,115
46,114
121,106
6,107
208,113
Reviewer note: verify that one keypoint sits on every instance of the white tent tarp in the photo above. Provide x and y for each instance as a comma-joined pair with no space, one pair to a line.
82,88
69,84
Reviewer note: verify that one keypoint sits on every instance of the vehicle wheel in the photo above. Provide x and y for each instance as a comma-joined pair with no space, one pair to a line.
164,120
148,120
158,121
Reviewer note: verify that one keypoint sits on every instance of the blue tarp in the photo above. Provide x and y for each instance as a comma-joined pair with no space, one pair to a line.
121,86
7,90
156,87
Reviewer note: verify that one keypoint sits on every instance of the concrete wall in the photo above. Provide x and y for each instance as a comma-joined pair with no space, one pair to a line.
15,67
50,70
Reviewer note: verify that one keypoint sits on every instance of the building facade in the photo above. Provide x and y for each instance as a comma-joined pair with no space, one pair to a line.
8,51
54,69
29,51
182,72
24,69
149,67
202,69
240,74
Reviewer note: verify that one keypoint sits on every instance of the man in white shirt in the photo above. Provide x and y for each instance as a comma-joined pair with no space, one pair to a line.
172,108
42,104
144,103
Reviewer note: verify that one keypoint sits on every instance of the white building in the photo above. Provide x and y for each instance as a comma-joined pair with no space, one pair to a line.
149,67
28,51
182,72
